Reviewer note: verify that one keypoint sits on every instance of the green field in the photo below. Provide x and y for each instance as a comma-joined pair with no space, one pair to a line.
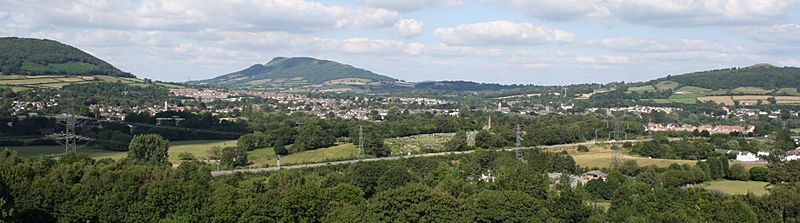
266,156
666,85
796,131
693,89
640,89
788,91
31,151
601,155
22,82
750,90
737,187
69,67
417,145
199,148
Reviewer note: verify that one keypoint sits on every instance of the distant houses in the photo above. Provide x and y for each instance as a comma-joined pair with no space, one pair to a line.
582,179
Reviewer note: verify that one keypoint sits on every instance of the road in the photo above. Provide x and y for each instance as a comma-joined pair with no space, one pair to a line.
311,165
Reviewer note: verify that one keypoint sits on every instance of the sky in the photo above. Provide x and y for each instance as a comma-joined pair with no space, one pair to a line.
546,42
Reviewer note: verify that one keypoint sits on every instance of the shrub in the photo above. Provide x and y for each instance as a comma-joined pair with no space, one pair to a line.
583,148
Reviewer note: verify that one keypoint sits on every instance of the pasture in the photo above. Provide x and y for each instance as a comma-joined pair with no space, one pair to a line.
666,85
267,157
733,187
750,90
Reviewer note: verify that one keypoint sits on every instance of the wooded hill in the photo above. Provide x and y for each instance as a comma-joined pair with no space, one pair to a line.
760,75
30,56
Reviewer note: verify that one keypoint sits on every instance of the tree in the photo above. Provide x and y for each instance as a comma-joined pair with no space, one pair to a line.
458,142
232,157
248,142
506,206
373,145
280,148
185,156
583,148
738,172
759,173
148,149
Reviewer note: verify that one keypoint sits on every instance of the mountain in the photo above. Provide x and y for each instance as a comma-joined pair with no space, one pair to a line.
48,57
760,75
282,72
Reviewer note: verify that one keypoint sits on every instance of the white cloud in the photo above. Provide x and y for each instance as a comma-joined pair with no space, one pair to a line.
603,60
384,47
785,33
660,13
702,12
415,49
407,28
662,45
502,33
556,10
410,5
193,15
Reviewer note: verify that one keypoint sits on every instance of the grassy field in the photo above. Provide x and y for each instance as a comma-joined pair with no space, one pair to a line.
796,131
416,145
601,156
199,148
666,85
22,82
737,187
727,100
788,91
750,90
693,89
263,156
31,151
640,89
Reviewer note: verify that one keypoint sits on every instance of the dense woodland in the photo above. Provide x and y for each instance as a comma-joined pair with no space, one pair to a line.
21,54
763,76
435,189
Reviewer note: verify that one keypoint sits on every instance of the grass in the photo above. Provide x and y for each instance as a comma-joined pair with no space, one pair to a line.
601,155
21,82
796,131
71,67
750,90
692,90
666,85
737,187
788,91
267,156
198,148
640,89
416,145
31,151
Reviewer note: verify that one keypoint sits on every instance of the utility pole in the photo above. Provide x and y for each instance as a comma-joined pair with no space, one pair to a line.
360,141
518,151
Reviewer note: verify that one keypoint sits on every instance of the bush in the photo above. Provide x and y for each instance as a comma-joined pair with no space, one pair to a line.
759,173
738,172
583,148
627,145
185,156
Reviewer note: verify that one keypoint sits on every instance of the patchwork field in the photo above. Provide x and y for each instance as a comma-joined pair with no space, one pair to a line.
22,82
602,156
750,99
737,187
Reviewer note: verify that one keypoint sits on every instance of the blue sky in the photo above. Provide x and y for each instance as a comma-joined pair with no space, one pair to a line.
502,41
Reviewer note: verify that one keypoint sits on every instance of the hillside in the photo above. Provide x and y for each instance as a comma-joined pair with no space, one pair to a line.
283,72
760,75
29,56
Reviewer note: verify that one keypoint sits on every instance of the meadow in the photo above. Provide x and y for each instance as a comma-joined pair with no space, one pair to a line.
737,187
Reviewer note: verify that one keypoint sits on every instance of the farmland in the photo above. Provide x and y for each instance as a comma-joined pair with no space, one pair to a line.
22,82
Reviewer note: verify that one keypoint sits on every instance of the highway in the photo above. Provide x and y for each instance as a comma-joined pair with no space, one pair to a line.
311,165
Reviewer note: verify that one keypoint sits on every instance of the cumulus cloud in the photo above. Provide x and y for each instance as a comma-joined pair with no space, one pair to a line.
630,44
556,10
660,13
603,60
702,12
785,33
410,5
407,28
502,33
193,15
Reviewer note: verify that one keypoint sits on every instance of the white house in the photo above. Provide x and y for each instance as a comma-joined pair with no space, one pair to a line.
746,157
792,155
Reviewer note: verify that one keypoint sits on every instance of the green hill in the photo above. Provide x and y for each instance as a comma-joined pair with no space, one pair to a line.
283,72
27,56
761,75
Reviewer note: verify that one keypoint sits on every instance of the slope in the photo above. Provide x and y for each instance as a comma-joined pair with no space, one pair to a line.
28,56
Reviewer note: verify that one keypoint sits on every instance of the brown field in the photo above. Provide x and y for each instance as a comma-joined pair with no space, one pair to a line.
727,100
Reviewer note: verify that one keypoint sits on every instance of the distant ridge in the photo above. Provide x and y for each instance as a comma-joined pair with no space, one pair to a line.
30,56
287,72
759,75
